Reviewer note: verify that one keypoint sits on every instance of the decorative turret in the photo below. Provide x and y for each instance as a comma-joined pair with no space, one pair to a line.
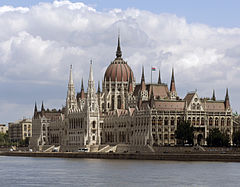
98,91
143,85
35,109
92,103
118,52
159,78
82,94
173,92
172,86
42,108
71,102
130,85
213,96
227,102
151,98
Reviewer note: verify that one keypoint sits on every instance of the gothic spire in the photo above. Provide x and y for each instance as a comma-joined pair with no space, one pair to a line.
35,108
82,94
119,52
71,102
227,102
159,78
213,96
143,85
91,72
99,87
70,76
172,86
42,108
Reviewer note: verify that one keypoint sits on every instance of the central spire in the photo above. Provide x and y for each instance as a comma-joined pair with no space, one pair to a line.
119,52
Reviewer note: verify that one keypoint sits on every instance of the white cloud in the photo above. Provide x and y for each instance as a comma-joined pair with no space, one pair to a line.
38,44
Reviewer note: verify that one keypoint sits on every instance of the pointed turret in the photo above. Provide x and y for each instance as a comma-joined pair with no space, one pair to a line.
42,108
130,85
118,52
71,102
159,78
227,102
172,86
98,91
91,92
151,98
173,92
35,107
82,94
143,85
35,110
213,96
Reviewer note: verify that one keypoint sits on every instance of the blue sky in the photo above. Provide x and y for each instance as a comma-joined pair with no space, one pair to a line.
221,13
39,41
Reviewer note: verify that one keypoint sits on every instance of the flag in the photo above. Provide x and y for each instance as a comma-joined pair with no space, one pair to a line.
153,69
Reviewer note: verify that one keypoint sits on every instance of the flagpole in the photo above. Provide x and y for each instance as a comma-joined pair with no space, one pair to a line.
151,74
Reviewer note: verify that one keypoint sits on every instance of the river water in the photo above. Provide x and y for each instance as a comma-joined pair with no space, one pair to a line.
27,171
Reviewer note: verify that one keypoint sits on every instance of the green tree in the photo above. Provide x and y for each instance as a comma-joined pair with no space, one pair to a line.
184,133
217,139
236,138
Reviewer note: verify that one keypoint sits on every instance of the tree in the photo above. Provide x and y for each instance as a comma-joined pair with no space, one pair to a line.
217,138
184,133
236,138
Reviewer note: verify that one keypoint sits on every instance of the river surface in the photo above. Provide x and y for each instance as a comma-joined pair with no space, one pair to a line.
27,171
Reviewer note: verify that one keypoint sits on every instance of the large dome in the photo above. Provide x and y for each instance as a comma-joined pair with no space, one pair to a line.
119,69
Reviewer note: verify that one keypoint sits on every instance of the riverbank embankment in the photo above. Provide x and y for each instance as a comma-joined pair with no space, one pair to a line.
224,157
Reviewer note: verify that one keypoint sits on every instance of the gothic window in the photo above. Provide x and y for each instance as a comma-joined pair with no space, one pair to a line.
198,121
93,138
194,106
178,121
202,121
210,121
198,106
172,121
166,121
222,122
94,124
216,122
228,122
119,103
193,121
112,102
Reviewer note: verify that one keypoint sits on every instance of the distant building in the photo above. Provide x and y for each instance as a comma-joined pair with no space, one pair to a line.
3,128
126,112
20,130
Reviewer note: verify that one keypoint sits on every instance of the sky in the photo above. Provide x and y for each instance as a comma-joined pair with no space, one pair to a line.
39,40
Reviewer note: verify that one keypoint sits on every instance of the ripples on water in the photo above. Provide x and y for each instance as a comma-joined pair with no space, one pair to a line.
27,171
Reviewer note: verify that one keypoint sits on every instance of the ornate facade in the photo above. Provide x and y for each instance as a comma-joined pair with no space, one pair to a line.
125,112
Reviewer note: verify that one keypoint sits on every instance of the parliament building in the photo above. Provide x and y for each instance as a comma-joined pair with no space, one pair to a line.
126,112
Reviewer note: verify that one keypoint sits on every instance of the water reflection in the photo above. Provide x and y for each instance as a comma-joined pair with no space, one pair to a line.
24,171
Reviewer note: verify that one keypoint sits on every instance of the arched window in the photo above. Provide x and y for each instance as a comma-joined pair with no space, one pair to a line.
172,121
94,124
202,121
119,102
112,102
193,121
166,121
160,121
216,121
228,122
198,121
210,121
222,121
